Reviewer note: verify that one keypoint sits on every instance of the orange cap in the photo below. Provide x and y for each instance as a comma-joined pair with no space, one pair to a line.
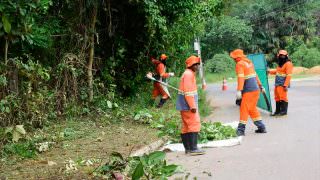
163,57
237,53
192,60
282,52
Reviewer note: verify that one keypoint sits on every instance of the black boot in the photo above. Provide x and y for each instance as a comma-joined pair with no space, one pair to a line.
193,139
277,112
161,103
185,142
284,108
241,129
261,127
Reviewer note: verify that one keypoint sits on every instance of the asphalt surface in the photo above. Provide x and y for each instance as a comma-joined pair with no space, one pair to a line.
289,151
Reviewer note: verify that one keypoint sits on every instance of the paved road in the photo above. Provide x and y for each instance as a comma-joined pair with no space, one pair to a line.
289,151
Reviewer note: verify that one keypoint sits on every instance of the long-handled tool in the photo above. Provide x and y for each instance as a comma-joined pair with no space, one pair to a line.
266,100
163,83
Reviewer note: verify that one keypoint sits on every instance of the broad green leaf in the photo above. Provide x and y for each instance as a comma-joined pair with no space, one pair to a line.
20,129
138,172
6,24
16,136
115,105
170,169
109,104
8,130
156,156
137,117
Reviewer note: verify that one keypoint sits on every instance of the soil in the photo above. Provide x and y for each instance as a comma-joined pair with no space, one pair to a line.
299,70
314,70
96,144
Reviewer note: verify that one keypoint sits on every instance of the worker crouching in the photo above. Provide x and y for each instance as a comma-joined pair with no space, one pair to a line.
160,75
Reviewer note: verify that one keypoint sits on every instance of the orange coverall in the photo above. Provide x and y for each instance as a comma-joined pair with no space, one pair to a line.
283,77
187,100
160,75
248,83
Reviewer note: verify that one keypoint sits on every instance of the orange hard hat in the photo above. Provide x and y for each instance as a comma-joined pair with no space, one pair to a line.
237,53
192,60
163,57
282,52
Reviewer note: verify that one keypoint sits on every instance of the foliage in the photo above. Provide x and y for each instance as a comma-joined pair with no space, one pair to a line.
25,149
219,63
306,57
215,131
224,34
150,166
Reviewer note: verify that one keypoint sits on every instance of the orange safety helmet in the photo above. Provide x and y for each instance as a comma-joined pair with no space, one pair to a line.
237,53
192,60
282,52
163,57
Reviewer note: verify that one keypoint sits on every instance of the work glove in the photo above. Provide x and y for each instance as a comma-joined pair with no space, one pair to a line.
149,75
239,95
171,74
285,88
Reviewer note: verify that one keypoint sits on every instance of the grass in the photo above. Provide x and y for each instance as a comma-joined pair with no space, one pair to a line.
92,137
218,77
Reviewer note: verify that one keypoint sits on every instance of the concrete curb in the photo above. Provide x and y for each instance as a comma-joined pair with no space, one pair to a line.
150,147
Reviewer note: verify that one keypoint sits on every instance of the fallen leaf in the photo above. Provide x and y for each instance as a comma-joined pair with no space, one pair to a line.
20,129
51,163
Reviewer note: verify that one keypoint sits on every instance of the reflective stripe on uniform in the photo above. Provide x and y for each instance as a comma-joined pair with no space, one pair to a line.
281,75
250,76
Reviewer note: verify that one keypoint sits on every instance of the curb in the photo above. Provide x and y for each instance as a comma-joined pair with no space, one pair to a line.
149,148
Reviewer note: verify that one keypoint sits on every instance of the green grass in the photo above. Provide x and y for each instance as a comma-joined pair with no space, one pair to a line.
218,77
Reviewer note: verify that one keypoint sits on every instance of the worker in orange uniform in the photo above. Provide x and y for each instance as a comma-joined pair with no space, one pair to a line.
282,81
248,90
187,104
160,75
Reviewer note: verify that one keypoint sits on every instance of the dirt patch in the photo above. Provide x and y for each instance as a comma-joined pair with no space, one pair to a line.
314,70
299,70
93,147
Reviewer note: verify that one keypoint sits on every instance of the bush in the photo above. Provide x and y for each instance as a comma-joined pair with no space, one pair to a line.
306,57
219,63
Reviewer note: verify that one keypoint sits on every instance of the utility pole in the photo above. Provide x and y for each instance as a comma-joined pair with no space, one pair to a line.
201,71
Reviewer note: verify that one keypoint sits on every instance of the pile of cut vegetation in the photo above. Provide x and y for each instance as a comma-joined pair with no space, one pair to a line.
299,70
314,70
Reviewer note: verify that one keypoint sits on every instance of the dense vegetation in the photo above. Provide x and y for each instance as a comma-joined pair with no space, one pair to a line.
58,54
86,59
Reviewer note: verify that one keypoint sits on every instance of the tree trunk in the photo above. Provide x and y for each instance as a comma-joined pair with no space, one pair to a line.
6,51
91,53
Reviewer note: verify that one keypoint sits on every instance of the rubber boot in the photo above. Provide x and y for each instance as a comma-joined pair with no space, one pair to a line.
185,142
261,127
241,129
284,108
277,112
161,103
193,139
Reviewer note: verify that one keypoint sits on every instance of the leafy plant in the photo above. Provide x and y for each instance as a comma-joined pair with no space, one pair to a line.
150,166
153,166
143,116
219,63
216,131
16,132
25,149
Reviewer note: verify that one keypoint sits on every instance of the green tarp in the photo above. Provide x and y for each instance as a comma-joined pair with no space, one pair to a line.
260,65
